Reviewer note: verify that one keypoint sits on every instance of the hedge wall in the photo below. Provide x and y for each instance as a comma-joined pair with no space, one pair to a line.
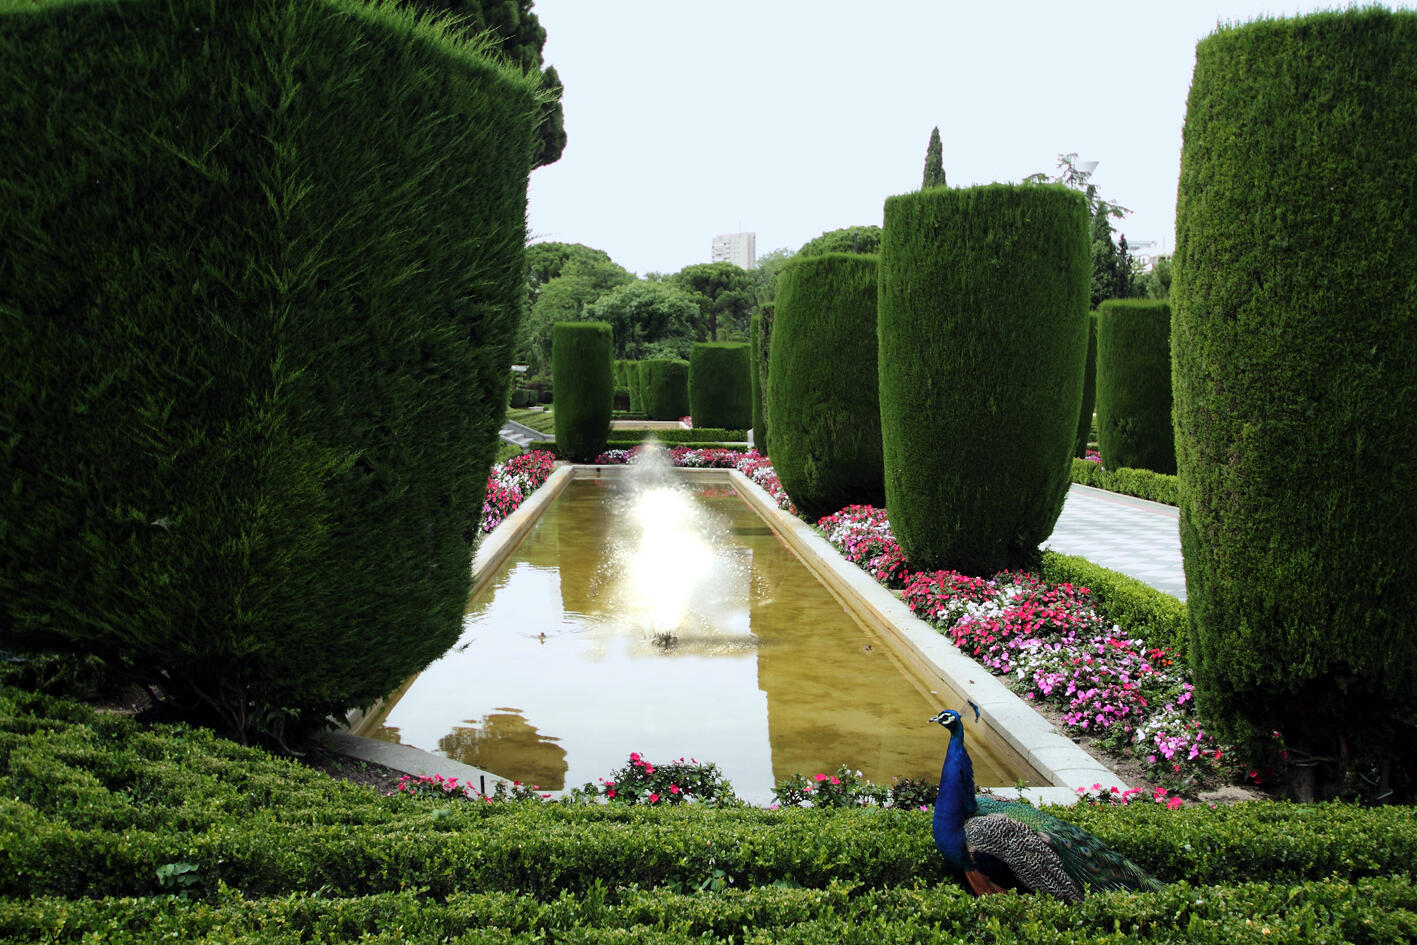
755,376
667,384
1134,385
261,287
1142,483
763,337
1295,352
983,335
94,806
826,413
639,384
720,394
1089,390
585,387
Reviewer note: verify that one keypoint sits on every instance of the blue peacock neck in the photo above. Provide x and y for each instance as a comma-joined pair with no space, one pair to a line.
954,804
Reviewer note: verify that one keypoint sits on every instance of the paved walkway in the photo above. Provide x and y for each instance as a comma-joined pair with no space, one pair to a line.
1134,536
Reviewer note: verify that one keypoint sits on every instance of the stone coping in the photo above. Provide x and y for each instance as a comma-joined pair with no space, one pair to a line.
1059,761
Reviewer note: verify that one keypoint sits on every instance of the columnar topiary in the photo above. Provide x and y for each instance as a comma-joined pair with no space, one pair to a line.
720,391
761,438
983,333
667,382
826,413
585,389
1294,341
1089,390
755,375
639,383
257,337
1134,385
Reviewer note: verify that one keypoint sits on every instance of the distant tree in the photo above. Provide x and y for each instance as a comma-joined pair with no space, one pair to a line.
852,239
724,293
934,162
1158,281
1104,260
545,261
648,320
1072,175
522,38
564,299
764,274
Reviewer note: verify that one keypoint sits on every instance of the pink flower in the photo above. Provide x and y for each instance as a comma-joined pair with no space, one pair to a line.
1174,803
673,789
610,793
634,756
654,798
835,780
821,777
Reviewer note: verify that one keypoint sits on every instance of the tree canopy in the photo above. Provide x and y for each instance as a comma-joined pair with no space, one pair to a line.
934,162
851,239
522,38
648,320
583,279
725,296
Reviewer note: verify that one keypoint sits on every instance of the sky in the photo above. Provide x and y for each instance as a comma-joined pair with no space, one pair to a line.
789,118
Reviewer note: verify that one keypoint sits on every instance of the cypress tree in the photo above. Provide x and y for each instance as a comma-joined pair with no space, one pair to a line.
755,327
1089,390
764,339
826,413
720,392
1134,385
1294,342
983,332
934,162
585,390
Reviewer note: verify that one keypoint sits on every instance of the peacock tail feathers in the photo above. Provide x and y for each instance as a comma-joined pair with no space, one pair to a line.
1084,857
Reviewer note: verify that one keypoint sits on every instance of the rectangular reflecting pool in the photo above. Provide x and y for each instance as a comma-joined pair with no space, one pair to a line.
644,613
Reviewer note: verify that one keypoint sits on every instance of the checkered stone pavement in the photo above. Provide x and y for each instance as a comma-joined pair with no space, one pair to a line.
1133,536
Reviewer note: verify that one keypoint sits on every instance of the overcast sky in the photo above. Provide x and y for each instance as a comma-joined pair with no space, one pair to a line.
788,118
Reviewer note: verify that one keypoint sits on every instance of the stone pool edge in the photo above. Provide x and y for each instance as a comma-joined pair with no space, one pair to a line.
1055,756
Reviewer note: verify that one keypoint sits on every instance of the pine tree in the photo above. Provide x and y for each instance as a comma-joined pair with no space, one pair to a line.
934,162
1104,259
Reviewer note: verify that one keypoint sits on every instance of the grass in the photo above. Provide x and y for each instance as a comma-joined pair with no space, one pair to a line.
540,420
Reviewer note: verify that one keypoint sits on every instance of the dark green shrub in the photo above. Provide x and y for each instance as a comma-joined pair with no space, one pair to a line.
764,340
621,399
1142,483
983,334
755,328
1295,341
720,394
522,397
639,383
580,362
1134,385
548,396
667,384
1089,390
1138,608
826,413
692,437
255,367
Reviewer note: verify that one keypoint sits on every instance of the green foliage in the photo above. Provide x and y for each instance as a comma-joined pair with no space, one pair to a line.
725,296
983,330
667,384
720,392
580,362
519,39
639,383
851,239
692,437
755,377
545,261
1089,390
1134,386
1112,276
649,319
826,416
1158,281
934,162
764,349
1142,483
255,370
1295,407
1155,616
640,781
765,272
543,421
565,298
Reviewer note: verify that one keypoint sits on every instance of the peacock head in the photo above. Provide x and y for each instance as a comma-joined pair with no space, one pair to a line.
952,720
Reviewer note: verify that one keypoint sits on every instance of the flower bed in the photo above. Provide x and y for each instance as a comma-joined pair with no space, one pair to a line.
509,483
749,462
1054,646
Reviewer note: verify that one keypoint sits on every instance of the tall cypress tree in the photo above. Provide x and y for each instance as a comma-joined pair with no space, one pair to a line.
1104,259
934,162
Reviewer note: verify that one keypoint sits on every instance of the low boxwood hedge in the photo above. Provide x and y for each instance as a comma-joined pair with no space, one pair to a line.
1141,483
1138,608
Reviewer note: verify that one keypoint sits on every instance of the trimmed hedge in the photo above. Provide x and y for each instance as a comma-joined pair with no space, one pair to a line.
1142,483
627,376
1295,340
763,337
93,806
581,364
1089,390
720,392
667,387
681,437
1134,385
826,412
1136,607
755,377
639,384
983,335
255,368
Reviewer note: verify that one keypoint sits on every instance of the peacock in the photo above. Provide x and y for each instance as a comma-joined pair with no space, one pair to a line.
1000,845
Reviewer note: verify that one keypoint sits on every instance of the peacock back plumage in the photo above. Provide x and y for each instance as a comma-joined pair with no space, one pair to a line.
1000,845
